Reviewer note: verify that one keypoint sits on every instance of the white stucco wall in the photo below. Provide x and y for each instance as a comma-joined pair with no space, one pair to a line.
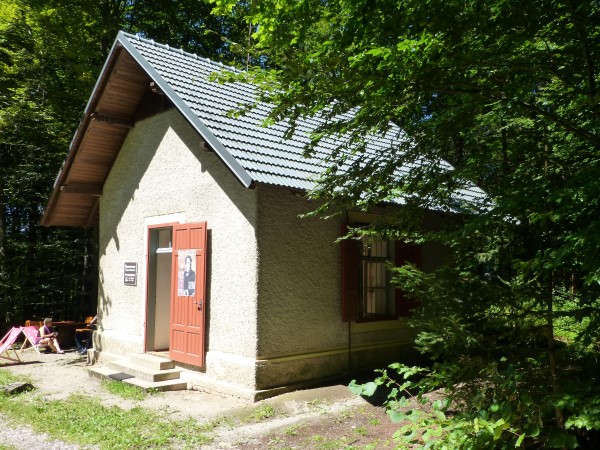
301,334
299,277
299,309
162,170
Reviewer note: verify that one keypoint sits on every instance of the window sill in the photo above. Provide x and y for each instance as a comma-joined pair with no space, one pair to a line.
375,326
376,319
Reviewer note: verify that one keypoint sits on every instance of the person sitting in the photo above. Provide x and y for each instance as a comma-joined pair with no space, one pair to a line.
81,336
48,337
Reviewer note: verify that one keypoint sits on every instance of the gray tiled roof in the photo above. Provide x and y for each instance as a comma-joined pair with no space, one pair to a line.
253,152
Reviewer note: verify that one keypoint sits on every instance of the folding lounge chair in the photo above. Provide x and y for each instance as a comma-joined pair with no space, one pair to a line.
6,344
31,337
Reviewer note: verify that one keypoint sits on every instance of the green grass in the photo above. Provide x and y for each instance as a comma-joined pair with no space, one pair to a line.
322,443
7,377
262,413
85,421
361,431
343,415
125,390
292,431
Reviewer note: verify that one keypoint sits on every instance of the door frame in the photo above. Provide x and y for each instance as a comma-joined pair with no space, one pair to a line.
148,302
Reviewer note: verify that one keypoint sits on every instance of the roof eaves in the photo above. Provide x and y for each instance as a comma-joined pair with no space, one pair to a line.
79,133
185,110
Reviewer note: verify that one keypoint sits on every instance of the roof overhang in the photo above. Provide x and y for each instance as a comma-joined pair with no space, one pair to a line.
108,117
111,111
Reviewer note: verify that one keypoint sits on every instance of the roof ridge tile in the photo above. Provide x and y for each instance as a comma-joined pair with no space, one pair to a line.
181,51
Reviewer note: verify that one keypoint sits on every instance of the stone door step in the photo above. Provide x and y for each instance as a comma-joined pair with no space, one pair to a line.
167,385
143,371
152,361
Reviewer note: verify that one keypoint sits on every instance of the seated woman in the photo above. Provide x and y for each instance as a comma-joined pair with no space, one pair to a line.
48,337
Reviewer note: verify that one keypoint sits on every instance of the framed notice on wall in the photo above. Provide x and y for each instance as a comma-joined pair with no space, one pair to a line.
130,274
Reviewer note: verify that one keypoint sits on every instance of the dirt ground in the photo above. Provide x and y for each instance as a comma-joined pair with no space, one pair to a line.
328,417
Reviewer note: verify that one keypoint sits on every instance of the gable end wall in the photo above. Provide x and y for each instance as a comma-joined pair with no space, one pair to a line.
162,170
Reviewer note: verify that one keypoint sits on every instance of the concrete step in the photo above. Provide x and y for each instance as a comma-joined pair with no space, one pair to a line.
103,372
166,385
114,374
143,372
152,361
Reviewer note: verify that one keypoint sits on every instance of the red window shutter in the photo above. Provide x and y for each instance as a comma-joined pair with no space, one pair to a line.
410,253
350,278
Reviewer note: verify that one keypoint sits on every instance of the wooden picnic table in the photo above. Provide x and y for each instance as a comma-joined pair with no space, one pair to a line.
66,332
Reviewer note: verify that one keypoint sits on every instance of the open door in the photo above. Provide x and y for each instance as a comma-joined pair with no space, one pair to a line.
188,294
160,268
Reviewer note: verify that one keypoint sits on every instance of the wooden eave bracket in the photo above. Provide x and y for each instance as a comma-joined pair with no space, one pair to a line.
105,118
92,219
155,89
93,191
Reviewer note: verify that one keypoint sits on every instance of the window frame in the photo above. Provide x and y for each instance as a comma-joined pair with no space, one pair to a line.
352,286
368,306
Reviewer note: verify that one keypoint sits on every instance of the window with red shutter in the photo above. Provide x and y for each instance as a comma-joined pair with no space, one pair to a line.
367,292
350,279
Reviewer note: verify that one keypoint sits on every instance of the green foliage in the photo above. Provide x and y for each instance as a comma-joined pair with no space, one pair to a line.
493,410
42,80
188,24
51,53
508,94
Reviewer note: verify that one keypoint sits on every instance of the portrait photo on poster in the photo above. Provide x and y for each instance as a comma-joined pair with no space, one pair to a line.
186,263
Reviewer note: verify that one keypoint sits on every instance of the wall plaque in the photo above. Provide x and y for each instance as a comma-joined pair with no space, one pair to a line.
130,276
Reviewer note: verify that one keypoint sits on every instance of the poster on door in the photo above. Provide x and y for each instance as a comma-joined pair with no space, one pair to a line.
186,281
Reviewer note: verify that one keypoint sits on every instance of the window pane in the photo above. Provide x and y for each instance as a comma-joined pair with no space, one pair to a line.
375,288
376,297
164,238
375,249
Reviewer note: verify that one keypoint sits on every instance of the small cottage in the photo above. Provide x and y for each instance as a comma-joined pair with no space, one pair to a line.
203,255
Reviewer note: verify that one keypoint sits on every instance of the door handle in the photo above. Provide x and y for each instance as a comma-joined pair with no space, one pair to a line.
199,303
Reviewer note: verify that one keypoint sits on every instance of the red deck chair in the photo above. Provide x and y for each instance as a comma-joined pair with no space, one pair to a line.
31,337
6,344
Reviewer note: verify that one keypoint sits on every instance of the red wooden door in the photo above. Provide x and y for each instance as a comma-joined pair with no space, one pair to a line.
188,294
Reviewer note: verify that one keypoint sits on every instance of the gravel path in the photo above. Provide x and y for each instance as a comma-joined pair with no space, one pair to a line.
24,438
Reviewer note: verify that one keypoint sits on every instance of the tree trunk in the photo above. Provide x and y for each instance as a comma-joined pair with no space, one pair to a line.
2,232
551,343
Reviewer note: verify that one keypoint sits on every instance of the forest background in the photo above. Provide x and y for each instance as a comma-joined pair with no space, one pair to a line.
51,53
507,92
